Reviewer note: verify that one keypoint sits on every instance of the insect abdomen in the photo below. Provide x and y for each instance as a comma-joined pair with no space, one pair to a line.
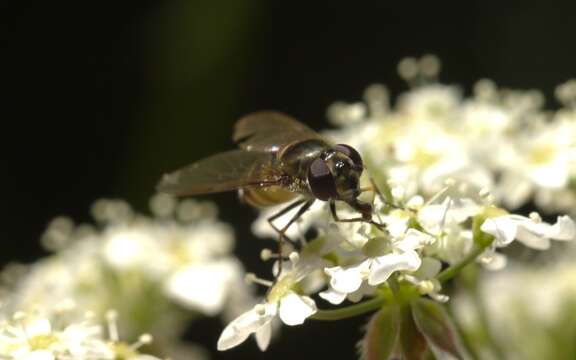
266,196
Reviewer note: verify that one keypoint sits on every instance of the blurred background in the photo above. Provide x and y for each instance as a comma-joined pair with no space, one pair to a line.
103,97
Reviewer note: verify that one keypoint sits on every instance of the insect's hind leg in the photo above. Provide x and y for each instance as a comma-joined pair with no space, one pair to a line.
304,206
271,219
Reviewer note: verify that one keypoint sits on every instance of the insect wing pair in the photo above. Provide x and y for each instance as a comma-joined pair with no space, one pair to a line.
279,159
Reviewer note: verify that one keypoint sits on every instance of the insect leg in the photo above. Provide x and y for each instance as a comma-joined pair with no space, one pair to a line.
356,219
305,205
282,212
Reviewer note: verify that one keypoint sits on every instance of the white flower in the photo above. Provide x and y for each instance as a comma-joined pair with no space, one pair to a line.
531,231
424,279
540,161
291,308
128,247
32,336
432,101
282,302
141,266
205,286
345,280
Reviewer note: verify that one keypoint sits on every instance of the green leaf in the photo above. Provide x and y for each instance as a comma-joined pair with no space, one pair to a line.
381,335
436,325
412,344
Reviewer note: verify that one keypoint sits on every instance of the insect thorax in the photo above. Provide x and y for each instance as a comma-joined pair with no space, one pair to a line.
296,157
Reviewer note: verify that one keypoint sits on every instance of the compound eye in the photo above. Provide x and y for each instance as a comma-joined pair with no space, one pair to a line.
321,180
351,153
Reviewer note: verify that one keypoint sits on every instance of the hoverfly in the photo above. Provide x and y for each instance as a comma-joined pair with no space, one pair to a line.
279,159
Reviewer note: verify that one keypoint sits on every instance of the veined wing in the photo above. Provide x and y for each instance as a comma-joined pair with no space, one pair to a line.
269,130
222,172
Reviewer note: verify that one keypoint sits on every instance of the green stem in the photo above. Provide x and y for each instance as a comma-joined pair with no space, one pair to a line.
453,270
349,311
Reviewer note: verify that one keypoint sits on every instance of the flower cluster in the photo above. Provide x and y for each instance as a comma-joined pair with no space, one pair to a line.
449,170
352,261
158,272
33,336
498,139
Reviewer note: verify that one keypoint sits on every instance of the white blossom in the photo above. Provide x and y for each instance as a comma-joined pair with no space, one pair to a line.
375,270
530,231
39,337
282,301
142,266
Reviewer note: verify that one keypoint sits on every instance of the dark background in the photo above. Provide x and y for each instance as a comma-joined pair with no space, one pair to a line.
102,97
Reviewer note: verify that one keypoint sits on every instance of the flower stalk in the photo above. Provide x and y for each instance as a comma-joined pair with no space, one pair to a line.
350,311
456,268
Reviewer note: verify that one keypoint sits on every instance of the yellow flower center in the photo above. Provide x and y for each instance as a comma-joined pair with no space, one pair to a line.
42,342
123,351
281,288
542,154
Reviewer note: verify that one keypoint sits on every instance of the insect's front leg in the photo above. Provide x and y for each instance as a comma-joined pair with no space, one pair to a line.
356,219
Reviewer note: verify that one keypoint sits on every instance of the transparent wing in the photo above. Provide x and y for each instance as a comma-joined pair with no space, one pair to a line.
222,172
268,131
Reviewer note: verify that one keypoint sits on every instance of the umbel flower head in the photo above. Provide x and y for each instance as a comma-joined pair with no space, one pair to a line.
33,336
160,272
450,170
499,139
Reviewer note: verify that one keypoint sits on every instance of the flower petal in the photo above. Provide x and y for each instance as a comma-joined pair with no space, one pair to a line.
383,266
432,216
263,336
347,280
564,229
502,228
413,239
333,296
535,240
240,328
203,287
492,260
294,309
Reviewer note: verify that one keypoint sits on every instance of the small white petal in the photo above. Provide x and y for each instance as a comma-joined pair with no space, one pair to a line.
294,309
502,228
564,229
239,329
493,261
263,336
333,296
347,280
203,287
383,266
413,239
533,239
431,217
